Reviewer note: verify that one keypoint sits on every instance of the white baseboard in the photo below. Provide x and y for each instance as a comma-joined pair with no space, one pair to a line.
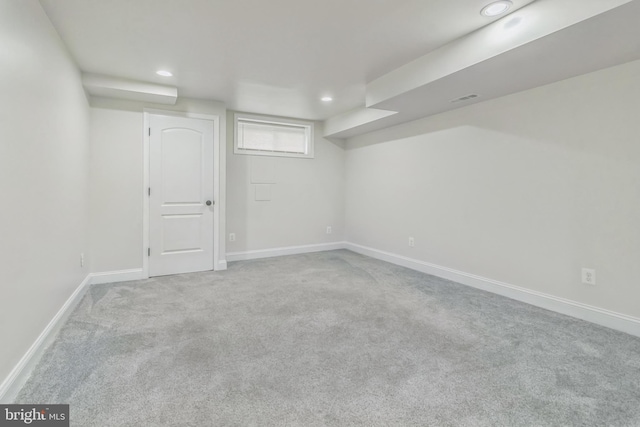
290,250
621,322
222,265
117,276
610,319
18,376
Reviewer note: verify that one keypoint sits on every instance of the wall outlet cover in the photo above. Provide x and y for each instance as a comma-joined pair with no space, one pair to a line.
588,276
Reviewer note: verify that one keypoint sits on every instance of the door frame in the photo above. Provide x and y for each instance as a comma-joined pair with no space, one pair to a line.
218,262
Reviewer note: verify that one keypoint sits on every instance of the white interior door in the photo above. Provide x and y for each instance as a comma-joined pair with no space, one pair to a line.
181,195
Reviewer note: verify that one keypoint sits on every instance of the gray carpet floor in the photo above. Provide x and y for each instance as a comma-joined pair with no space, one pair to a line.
331,339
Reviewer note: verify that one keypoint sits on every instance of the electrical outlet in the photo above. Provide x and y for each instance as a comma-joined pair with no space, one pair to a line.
412,242
82,260
588,276
329,231
232,237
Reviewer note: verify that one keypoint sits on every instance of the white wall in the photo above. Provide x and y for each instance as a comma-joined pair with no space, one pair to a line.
525,189
44,119
307,195
117,166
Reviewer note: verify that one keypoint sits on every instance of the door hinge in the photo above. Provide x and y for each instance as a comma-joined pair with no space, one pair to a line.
149,190
149,131
148,251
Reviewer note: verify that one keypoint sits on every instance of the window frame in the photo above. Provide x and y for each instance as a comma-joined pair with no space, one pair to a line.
268,120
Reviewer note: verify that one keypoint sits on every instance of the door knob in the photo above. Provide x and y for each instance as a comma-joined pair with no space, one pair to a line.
209,203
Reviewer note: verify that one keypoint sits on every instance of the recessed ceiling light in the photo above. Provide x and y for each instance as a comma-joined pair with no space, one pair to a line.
164,73
326,99
496,8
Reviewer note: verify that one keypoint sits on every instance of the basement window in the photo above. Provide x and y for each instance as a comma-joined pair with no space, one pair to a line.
265,136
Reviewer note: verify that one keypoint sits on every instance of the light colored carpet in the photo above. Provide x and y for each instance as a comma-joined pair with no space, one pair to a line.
331,338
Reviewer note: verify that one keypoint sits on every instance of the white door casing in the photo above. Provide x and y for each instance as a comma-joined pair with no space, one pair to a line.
181,183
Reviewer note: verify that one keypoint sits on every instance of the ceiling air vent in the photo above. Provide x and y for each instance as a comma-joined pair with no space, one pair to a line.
465,98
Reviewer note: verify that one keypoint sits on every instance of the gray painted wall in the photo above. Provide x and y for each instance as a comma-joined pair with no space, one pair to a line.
117,177
525,189
44,177
307,195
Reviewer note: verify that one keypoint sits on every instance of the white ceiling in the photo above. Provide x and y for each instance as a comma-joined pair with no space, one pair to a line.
274,57
547,41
